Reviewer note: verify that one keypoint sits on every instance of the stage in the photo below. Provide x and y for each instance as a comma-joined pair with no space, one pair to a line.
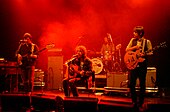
111,93
88,100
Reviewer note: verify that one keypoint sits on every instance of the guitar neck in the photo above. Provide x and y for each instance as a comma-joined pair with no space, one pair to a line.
40,50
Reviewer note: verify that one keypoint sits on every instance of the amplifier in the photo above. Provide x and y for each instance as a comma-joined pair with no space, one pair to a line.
117,80
150,77
100,80
121,79
39,78
55,69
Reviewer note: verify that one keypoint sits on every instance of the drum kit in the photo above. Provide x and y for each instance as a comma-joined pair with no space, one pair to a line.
98,61
97,65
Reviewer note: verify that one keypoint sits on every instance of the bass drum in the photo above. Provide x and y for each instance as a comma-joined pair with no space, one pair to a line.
97,65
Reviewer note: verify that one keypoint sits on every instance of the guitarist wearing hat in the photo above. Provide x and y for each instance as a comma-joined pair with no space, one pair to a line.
137,64
26,60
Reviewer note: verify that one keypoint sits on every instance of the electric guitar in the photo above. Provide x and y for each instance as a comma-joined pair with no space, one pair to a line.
27,56
131,58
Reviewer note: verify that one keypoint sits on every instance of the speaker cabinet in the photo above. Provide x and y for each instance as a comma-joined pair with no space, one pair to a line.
117,80
55,69
151,77
14,103
80,104
108,105
44,104
100,80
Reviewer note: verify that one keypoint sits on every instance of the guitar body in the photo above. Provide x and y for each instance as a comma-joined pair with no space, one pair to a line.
72,71
24,58
132,59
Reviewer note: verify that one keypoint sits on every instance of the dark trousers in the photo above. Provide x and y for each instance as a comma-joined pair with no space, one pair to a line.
28,78
69,87
139,72
3,86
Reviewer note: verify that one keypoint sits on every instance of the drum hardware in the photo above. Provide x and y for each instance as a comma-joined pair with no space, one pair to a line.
117,67
117,58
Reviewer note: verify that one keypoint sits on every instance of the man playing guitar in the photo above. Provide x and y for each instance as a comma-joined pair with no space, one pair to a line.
27,60
79,72
138,69
27,56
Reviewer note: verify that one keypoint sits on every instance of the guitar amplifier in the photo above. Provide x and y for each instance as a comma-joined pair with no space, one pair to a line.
117,80
55,69
150,77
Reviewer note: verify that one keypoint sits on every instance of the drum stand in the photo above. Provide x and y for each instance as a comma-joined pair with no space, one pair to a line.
31,106
117,64
117,67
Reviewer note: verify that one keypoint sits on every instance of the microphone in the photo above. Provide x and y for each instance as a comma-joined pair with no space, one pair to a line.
21,41
80,37
75,55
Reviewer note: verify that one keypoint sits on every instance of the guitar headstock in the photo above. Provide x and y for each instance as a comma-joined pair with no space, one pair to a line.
161,45
49,46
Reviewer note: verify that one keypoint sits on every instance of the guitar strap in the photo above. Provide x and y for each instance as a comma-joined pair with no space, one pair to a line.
32,48
143,47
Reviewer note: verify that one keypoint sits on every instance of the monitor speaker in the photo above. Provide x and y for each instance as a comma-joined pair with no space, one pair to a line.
80,104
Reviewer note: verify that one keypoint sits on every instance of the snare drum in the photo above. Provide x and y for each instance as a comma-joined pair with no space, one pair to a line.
97,65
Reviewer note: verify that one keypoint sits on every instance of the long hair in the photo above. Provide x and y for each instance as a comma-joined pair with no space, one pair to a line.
82,48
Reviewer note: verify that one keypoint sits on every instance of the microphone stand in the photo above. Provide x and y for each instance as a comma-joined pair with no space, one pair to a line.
79,40
112,45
